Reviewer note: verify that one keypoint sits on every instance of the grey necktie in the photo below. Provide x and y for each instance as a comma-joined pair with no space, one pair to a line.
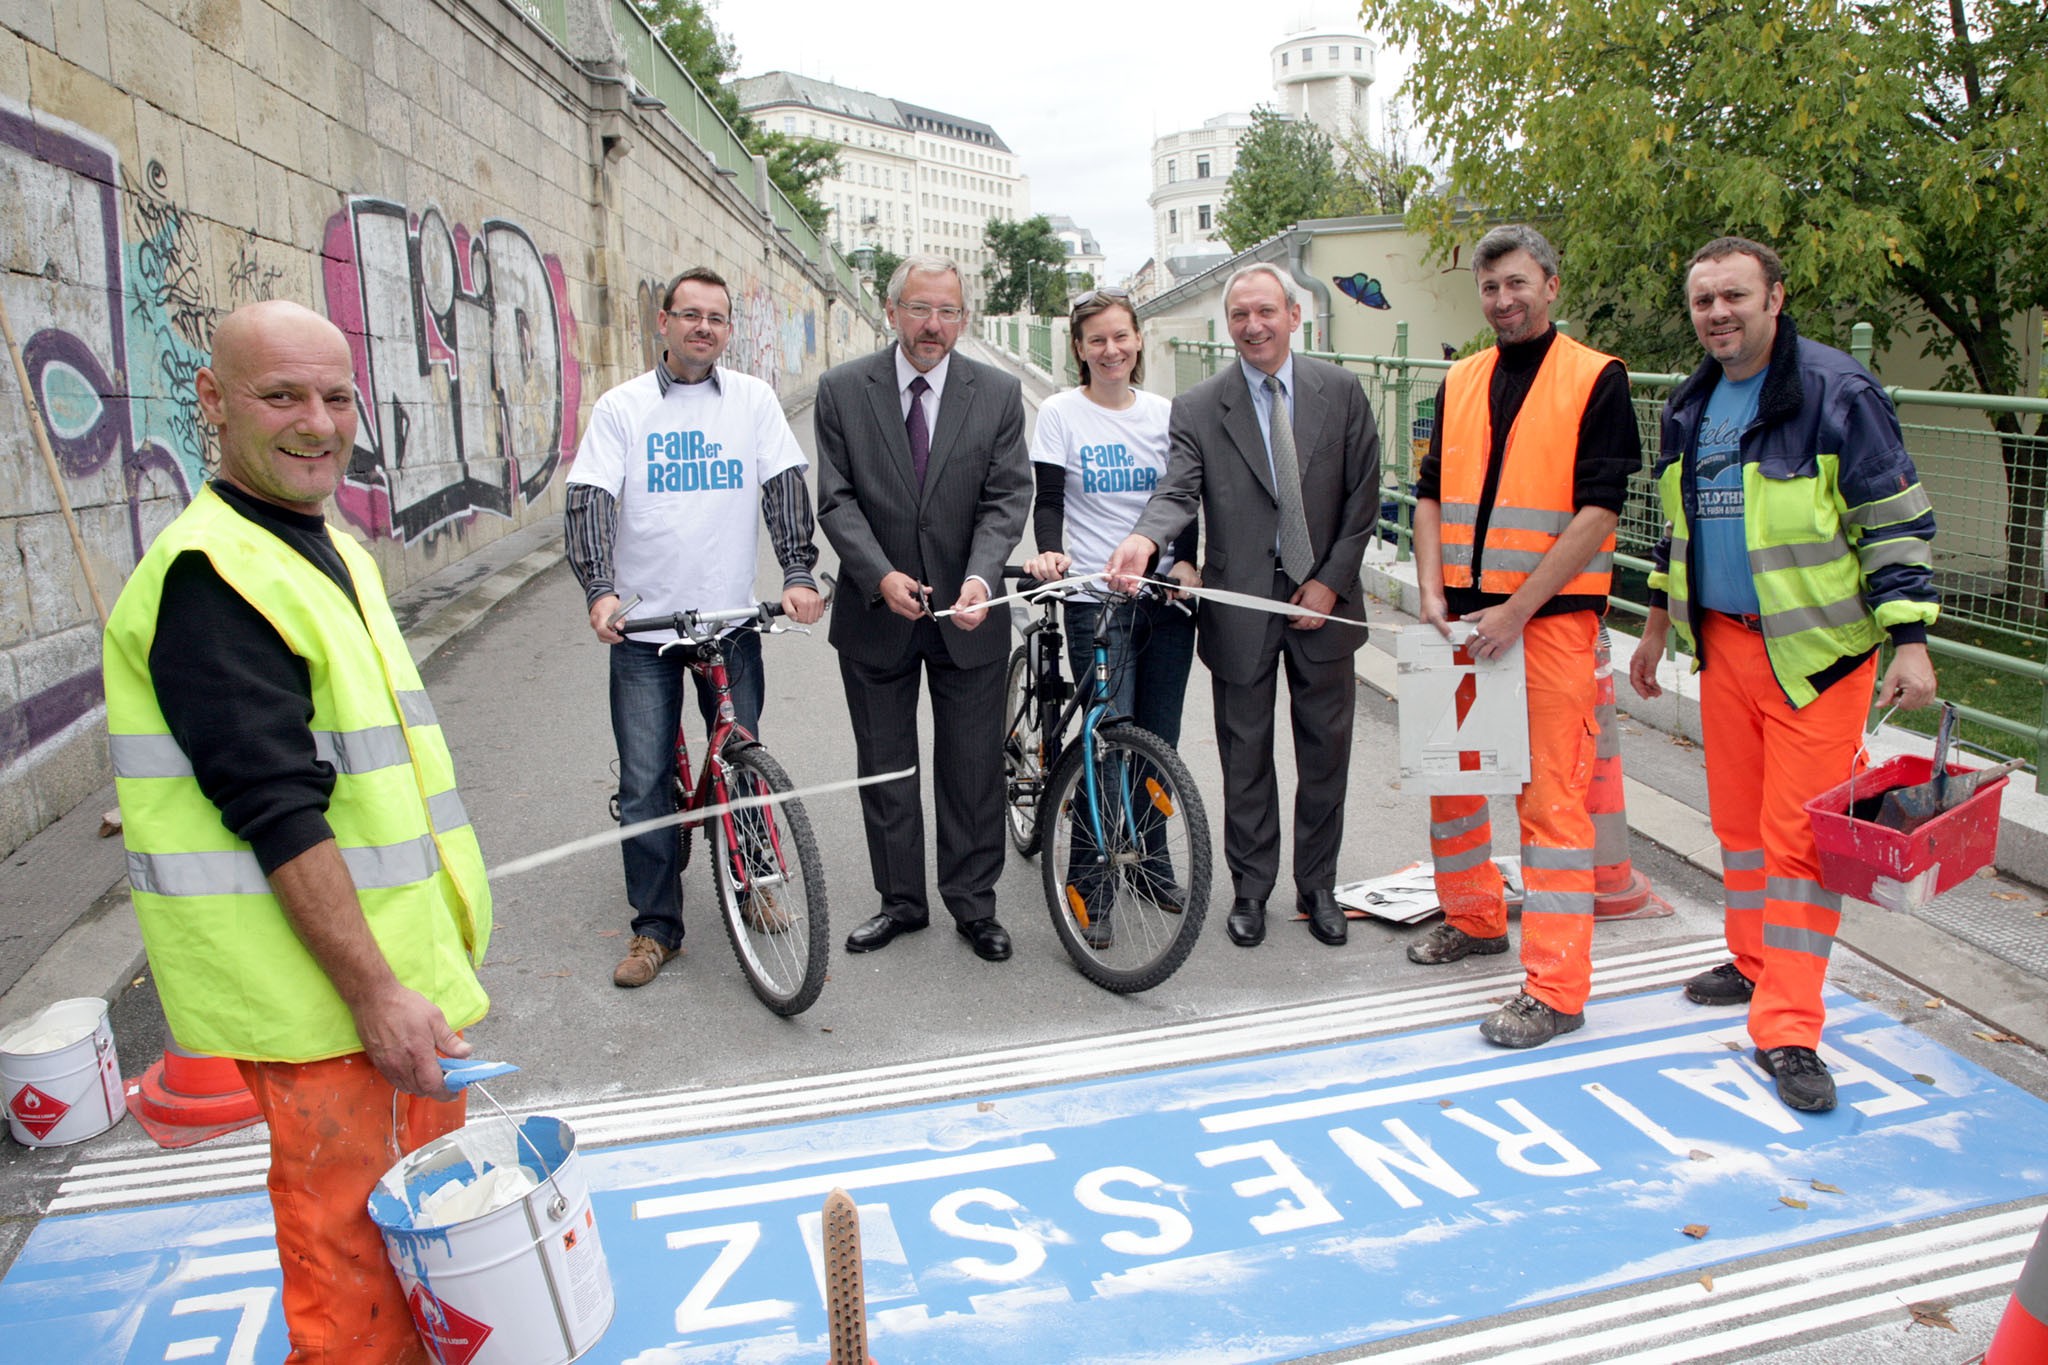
1297,553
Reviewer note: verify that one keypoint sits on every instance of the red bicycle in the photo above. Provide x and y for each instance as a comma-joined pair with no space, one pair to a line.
765,865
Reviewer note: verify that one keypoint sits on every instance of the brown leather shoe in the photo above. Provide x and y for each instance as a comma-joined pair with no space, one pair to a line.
763,913
642,962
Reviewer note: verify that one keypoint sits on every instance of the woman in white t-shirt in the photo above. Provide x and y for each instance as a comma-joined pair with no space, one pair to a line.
1099,451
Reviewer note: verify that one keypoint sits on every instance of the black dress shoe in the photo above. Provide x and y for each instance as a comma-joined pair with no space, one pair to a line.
877,932
1325,917
991,940
1247,922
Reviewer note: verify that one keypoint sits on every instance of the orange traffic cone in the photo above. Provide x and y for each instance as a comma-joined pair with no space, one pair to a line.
189,1097
2022,1336
1619,891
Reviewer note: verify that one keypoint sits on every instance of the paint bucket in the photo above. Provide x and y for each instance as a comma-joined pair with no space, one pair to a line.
1875,863
525,1284
59,1076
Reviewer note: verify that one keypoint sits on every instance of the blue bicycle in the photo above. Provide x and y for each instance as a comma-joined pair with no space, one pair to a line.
1114,812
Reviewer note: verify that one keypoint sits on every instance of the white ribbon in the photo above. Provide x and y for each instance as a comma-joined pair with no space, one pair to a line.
683,817
1249,601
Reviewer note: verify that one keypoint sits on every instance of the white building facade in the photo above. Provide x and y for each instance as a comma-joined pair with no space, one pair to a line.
1321,73
911,179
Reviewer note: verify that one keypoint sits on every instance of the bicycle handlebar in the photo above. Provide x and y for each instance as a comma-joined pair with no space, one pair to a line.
687,623
1151,583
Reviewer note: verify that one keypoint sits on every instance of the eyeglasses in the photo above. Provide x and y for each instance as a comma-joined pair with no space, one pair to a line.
924,312
1109,293
690,317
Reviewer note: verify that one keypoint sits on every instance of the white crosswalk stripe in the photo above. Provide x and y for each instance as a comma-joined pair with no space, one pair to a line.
241,1166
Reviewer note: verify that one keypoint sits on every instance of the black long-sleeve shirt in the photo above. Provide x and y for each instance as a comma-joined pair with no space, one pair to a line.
1610,451
238,700
1049,517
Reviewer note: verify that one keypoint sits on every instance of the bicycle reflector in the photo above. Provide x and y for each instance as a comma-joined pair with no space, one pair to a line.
1078,905
1160,798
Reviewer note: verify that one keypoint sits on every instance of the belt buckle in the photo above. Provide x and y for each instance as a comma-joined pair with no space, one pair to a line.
1753,624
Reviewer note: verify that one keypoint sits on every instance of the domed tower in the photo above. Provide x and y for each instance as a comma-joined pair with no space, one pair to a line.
1322,73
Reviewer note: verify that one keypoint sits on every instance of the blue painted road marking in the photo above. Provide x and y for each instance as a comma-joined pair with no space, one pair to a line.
1259,1209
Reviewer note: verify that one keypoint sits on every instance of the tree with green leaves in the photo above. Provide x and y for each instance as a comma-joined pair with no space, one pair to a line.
795,164
1286,171
1895,152
885,265
1029,272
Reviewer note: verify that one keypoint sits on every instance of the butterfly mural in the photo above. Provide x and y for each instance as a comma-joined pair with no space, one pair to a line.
1362,288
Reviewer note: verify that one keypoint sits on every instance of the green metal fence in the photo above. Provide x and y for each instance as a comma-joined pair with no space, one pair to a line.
1994,625
1038,334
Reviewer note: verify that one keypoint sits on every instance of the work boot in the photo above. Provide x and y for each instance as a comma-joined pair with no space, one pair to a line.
1096,933
1724,985
1526,1021
762,913
1802,1077
1445,943
642,962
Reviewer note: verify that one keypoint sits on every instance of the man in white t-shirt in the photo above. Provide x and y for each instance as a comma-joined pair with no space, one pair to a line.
661,508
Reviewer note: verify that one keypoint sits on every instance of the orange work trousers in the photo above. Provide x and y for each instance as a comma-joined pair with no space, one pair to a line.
1557,829
333,1133
1765,761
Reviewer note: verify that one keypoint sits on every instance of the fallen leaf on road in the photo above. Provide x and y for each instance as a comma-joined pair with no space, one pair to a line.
110,823
1791,1202
1731,1045
561,973
2008,895
1990,1037
1697,1155
1694,1230
1987,873
1932,1313
986,1106
610,933
1447,1104
824,1028
1824,1187
1708,1281
1923,1078
1932,1005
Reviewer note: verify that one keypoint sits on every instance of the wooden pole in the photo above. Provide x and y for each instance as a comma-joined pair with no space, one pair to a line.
42,435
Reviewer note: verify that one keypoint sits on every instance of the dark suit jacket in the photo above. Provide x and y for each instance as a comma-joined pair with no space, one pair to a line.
1217,463
977,492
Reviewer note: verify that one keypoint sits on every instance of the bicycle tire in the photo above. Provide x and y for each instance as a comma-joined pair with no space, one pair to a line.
1157,853
1024,776
784,953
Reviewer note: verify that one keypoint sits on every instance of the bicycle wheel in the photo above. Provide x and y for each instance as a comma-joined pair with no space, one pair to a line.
1023,754
771,885
1128,904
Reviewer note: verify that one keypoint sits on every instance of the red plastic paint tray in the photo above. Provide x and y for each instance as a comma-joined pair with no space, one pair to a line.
1856,854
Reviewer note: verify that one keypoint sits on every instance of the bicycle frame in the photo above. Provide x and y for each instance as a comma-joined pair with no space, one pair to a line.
1094,696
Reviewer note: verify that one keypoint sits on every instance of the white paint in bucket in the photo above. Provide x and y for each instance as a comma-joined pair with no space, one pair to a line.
66,1092
525,1284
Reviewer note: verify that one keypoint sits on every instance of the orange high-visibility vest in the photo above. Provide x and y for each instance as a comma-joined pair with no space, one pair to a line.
1533,503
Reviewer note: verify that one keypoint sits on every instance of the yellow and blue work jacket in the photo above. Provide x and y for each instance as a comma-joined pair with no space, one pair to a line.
233,975
1838,529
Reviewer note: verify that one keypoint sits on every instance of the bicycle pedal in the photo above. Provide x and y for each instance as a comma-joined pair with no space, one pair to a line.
846,1306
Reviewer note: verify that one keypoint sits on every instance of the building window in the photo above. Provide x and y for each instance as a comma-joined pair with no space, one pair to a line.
1283,61
1173,220
1358,54
1334,54
1172,170
1202,217
1201,168
789,123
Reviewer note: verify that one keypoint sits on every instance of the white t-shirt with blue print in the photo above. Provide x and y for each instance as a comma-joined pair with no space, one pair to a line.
1113,461
687,468
1720,550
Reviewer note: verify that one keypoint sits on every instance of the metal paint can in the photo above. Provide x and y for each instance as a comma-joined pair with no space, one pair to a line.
525,1284
66,1092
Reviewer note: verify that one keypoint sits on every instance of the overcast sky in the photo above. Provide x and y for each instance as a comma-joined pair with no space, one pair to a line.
1079,98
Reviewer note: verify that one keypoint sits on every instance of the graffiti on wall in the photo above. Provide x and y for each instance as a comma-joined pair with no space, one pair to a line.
465,368
771,340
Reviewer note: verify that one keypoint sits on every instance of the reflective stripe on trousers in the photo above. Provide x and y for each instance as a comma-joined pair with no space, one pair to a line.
1765,760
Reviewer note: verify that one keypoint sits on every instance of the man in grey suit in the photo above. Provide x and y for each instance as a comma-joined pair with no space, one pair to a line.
923,486
1281,455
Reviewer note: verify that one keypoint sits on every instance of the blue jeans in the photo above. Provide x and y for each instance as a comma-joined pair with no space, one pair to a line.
1151,648
647,707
